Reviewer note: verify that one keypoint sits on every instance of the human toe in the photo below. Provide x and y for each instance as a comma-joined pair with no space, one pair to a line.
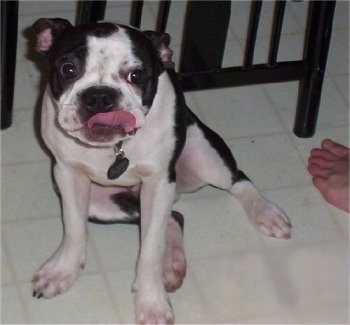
335,148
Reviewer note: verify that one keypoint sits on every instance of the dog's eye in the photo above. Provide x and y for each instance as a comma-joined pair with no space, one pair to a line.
68,70
135,76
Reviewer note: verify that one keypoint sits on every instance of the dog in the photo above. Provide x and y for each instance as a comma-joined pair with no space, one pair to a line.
125,146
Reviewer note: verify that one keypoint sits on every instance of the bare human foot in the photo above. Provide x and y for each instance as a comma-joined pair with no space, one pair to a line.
329,167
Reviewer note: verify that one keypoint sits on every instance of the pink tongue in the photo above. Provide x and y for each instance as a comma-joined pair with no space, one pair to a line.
115,119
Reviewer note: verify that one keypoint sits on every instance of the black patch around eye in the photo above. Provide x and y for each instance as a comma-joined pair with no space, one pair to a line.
66,71
149,91
144,50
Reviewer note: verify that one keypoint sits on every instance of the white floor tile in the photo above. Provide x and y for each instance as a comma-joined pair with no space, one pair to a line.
325,315
311,220
20,142
120,284
188,303
342,82
338,63
27,192
341,219
12,310
269,161
215,225
38,240
304,146
317,274
333,109
248,114
117,245
235,287
275,318
341,15
6,274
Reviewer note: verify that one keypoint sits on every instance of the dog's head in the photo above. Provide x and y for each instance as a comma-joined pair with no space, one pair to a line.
103,78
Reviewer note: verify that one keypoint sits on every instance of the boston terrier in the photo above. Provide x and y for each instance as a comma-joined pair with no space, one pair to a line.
125,146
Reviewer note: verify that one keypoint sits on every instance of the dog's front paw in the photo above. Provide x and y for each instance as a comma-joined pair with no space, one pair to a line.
153,311
270,219
57,275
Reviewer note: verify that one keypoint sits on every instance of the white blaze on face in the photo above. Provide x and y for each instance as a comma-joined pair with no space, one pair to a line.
108,57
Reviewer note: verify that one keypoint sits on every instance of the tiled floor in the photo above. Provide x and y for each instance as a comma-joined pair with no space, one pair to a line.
235,275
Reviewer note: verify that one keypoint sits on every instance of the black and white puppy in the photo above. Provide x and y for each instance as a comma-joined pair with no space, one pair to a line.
125,146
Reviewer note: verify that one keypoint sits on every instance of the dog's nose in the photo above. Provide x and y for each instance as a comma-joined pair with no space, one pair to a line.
99,99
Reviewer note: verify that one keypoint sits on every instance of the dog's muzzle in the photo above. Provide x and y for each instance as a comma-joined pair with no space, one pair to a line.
104,119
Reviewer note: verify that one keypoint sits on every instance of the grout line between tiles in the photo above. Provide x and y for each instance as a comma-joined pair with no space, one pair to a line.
343,233
24,162
266,249
256,135
335,84
291,136
201,295
315,308
16,282
294,312
102,271
276,110
31,219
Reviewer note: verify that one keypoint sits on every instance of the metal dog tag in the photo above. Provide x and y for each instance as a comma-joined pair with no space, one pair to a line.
120,164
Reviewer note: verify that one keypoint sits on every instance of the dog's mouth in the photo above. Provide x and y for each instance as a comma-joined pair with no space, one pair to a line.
103,127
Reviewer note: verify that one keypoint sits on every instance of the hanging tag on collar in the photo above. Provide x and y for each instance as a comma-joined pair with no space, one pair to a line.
120,164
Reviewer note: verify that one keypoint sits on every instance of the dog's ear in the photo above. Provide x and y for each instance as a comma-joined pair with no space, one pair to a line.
161,43
47,31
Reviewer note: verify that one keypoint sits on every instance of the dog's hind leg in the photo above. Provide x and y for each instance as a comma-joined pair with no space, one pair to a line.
267,217
174,268
206,159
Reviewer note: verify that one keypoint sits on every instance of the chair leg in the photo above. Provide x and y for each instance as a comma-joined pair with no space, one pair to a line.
199,32
315,55
9,23
90,11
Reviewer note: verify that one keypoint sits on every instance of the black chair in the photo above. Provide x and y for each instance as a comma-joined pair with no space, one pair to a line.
9,21
203,49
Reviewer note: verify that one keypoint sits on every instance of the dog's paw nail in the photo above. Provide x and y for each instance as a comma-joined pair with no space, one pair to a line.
37,295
